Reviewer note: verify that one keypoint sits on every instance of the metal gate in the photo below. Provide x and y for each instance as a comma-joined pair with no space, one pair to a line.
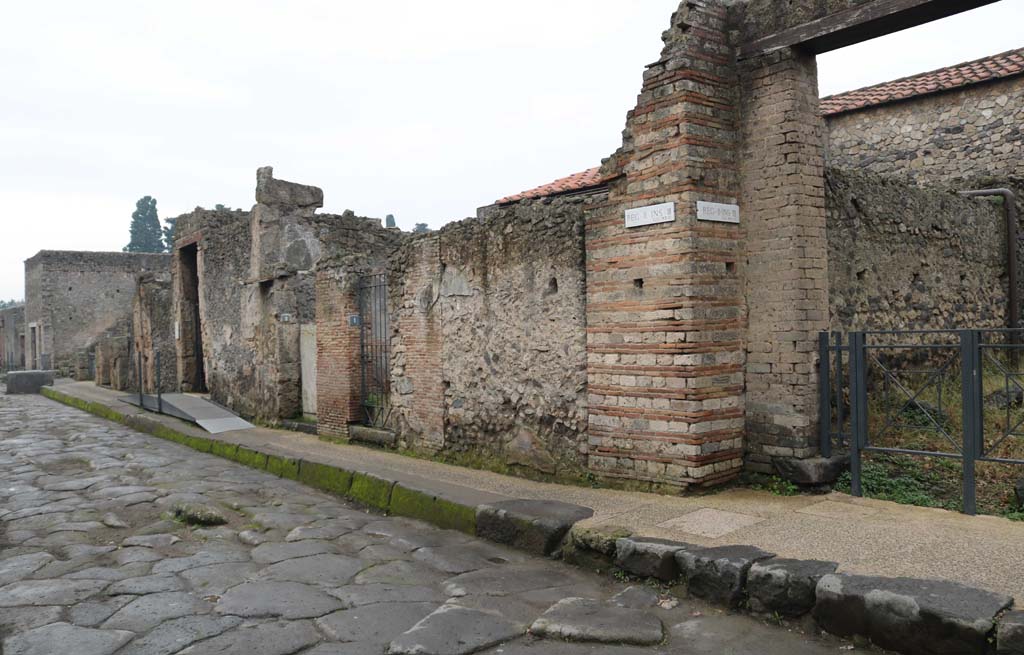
956,394
374,349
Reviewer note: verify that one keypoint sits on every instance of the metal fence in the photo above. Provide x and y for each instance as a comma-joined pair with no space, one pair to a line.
374,349
956,394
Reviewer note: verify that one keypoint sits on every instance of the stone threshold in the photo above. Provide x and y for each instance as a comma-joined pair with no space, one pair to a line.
905,615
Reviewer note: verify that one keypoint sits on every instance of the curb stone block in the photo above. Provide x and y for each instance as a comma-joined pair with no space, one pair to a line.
325,478
250,458
583,619
425,506
916,617
650,558
785,586
719,574
370,490
283,467
1010,634
224,449
593,548
536,526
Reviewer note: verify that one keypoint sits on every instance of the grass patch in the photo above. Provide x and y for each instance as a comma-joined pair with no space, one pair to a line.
773,484
907,480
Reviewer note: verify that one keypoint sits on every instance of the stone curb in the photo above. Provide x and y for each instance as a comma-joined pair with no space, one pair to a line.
739,577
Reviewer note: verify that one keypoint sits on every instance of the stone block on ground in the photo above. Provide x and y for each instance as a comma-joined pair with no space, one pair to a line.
536,526
719,575
593,548
917,617
813,471
785,586
24,382
583,619
649,558
1010,634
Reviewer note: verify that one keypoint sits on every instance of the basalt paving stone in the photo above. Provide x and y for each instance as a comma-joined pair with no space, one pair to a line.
333,570
376,624
583,619
270,553
457,559
218,578
152,540
454,630
290,600
546,647
137,554
59,637
172,636
378,553
94,612
22,566
202,558
109,573
49,592
150,584
147,612
353,648
401,572
371,594
273,638
510,580
19,619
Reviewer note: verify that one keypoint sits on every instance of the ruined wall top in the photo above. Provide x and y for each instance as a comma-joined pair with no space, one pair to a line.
279,193
74,259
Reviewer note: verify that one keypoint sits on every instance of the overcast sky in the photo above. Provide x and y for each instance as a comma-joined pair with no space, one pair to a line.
425,110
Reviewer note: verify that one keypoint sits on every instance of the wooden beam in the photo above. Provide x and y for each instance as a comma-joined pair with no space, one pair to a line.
858,24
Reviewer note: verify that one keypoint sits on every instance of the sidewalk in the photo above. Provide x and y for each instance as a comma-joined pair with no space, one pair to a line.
865,536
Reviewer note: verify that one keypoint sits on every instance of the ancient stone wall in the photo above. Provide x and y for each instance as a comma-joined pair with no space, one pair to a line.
953,138
211,267
903,258
74,298
153,332
509,306
12,338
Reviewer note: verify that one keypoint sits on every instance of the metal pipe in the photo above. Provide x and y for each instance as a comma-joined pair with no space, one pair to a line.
1010,207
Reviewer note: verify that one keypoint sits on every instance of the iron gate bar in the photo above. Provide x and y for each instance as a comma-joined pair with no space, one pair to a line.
913,399
972,423
374,349
825,396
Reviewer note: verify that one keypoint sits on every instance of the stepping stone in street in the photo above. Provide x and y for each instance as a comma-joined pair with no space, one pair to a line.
279,638
60,637
454,630
582,619
289,600
147,612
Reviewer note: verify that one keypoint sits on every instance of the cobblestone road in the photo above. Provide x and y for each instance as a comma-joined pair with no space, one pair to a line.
93,560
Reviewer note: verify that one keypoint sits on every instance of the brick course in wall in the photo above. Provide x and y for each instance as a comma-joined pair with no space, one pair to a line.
665,311
783,200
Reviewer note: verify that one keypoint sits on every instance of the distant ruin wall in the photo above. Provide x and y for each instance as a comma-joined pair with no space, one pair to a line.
975,133
907,258
12,331
74,298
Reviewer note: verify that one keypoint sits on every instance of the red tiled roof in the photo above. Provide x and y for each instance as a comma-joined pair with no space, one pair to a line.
995,67
588,179
989,68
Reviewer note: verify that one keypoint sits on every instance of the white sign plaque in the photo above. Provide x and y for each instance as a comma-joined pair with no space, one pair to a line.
717,212
650,215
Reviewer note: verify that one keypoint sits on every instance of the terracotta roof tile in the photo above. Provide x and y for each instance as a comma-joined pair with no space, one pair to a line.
998,66
588,179
989,68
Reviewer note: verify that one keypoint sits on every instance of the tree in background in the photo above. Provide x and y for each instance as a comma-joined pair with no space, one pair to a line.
169,224
147,236
4,304
389,221
421,228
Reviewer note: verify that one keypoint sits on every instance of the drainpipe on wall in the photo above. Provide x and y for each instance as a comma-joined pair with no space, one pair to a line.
1010,206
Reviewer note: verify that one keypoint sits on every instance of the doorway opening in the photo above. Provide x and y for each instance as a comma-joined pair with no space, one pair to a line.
193,372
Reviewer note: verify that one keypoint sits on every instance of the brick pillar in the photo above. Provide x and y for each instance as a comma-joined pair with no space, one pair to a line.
665,311
337,350
783,203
